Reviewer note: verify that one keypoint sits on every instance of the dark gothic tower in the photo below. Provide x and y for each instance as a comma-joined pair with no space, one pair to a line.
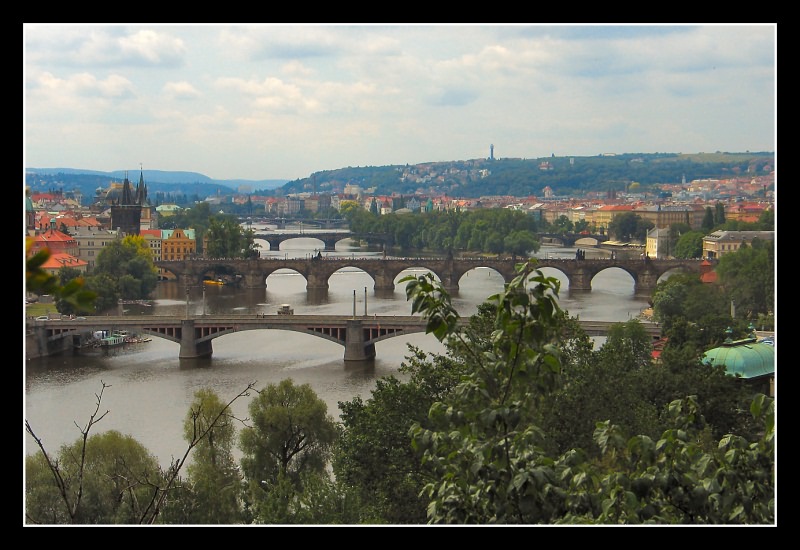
126,212
491,151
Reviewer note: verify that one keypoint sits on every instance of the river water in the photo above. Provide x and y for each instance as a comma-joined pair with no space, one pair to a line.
150,390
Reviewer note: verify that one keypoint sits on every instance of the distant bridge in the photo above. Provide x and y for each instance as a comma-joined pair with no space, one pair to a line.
384,271
358,334
281,223
329,239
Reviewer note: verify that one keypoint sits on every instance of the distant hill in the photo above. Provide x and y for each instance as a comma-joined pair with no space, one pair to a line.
162,186
563,175
161,176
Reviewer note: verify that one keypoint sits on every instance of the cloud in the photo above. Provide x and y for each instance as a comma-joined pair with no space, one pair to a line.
284,100
180,90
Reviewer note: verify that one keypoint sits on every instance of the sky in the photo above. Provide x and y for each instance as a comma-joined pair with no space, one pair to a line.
283,101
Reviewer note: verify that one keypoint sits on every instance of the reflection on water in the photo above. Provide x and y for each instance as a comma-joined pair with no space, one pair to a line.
150,389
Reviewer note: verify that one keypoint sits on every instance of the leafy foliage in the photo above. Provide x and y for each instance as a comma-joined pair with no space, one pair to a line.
109,481
212,492
291,435
70,294
487,447
124,269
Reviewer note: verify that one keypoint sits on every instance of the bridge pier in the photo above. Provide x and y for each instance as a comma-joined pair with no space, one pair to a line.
354,347
190,347
384,281
646,282
316,282
581,280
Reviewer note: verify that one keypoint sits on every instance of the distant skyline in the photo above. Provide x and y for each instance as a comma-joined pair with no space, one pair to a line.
283,101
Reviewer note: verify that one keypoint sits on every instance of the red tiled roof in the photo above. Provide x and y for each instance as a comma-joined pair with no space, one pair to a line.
709,277
59,260
54,235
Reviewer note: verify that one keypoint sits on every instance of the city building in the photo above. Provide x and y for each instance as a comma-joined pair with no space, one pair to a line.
719,243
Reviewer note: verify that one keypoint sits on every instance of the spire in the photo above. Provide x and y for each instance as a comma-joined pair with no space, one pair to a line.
126,198
141,188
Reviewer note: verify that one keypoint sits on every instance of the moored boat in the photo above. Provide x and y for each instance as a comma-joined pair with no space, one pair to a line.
116,338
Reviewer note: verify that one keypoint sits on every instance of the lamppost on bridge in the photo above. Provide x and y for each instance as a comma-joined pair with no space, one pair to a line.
187,301
365,301
204,300
354,303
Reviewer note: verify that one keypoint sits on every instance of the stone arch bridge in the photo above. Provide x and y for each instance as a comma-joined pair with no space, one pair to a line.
329,238
384,271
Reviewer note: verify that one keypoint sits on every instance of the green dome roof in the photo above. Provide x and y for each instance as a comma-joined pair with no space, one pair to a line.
745,358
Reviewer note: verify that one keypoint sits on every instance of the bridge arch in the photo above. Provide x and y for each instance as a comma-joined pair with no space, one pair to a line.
327,240
384,271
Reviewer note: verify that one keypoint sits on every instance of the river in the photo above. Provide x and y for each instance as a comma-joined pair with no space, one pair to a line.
150,390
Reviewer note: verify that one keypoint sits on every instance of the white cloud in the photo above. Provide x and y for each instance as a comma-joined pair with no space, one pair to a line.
282,101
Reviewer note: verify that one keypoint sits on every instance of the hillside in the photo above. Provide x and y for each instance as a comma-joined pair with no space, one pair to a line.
159,183
565,176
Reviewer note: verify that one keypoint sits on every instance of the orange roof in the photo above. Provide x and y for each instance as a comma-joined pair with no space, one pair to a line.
54,235
709,277
59,260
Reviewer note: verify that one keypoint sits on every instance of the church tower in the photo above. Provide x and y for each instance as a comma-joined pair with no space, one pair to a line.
126,212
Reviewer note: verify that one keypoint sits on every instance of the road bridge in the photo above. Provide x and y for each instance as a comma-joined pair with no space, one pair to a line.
358,334
317,271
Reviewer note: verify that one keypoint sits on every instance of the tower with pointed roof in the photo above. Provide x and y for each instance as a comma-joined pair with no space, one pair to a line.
126,212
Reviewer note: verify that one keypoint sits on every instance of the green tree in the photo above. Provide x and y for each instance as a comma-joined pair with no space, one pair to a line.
65,276
483,437
124,269
488,450
212,493
107,480
562,224
520,243
748,275
291,434
708,220
626,226
677,479
689,245
719,214
227,239
374,455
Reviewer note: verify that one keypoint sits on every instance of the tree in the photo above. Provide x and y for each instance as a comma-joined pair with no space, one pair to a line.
291,434
483,437
520,243
689,245
124,269
626,226
719,214
488,449
212,493
708,220
748,275
116,484
104,479
373,454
